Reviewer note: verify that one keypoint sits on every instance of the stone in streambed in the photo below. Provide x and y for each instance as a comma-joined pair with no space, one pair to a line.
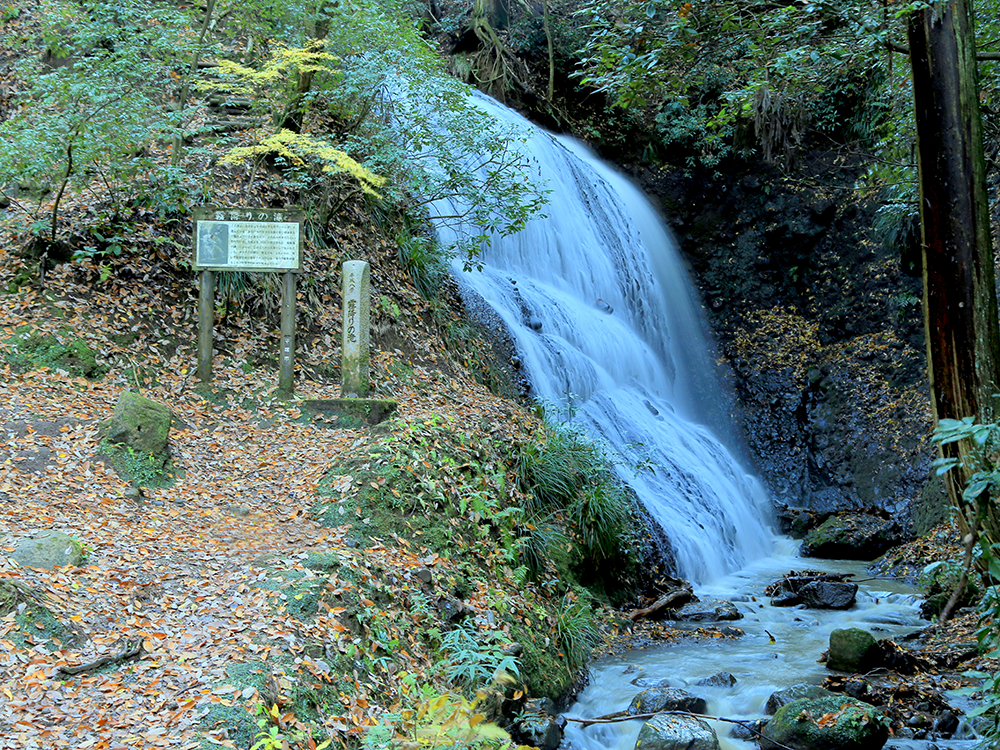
708,610
781,698
829,594
852,650
666,732
833,723
655,700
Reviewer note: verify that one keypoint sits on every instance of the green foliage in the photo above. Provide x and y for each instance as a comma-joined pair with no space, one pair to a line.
438,721
979,444
31,350
138,468
564,472
705,69
93,101
425,260
474,658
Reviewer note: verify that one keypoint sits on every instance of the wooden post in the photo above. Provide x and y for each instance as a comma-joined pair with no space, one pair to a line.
206,321
286,375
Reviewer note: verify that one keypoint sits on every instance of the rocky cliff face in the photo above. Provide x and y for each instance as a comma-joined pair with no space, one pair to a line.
821,329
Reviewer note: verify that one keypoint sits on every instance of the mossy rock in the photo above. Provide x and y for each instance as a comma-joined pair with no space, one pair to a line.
48,550
834,723
852,536
140,423
851,650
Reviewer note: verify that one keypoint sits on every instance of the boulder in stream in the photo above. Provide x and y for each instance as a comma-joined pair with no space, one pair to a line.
655,700
852,650
708,610
540,730
833,723
829,594
781,698
853,536
666,732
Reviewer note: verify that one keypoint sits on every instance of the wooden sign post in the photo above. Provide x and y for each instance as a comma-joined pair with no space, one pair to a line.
256,240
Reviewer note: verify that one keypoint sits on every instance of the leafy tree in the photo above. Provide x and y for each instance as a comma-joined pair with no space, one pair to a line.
93,102
378,93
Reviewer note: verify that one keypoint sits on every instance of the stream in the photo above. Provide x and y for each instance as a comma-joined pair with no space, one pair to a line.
761,666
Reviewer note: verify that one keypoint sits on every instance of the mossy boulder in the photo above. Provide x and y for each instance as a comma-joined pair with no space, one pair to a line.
666,732
141,424
834,723
48,549
781,698
852,650
852,536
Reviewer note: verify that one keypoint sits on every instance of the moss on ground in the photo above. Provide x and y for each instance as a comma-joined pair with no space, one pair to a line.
29,349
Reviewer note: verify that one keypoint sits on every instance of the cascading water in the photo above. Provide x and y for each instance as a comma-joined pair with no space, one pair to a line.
604,320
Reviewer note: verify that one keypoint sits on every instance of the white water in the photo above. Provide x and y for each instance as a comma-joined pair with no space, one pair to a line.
760,665
639,378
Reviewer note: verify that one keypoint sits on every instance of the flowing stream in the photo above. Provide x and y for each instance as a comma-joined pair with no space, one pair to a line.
607,328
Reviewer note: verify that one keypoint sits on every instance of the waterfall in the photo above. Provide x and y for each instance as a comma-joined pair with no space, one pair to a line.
606,325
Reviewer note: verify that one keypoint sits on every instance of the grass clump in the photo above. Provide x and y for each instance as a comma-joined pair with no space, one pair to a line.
138,468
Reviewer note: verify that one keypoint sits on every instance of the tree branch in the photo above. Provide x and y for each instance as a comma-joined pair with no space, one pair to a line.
980,56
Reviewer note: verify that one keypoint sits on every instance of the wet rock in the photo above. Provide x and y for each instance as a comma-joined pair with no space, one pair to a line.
781,698
852,650
786,599
848,725
666,732
708,610
946,723
655,700
749,730
722,679
852,536
535,323
651,682
540,730
829,594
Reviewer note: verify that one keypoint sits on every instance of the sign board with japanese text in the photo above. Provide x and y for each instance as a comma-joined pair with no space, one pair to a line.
248,239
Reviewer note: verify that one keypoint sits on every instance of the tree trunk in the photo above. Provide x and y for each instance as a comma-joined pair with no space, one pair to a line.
960,306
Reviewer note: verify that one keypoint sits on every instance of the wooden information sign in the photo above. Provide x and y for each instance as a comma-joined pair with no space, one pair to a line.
267,240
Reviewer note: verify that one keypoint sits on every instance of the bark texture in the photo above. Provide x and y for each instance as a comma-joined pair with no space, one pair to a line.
960,307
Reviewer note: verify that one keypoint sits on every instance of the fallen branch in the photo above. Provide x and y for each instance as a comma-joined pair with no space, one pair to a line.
132,650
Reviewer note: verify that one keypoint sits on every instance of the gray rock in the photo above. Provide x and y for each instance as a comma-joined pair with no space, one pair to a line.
722,679
651,682
708,610
48,549
140,423
665,732
748,731
786,599
829,594
852,650
654,700
852,535
780,698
